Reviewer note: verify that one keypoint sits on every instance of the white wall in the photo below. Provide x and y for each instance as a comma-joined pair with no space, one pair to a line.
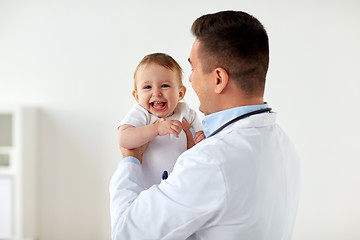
74,60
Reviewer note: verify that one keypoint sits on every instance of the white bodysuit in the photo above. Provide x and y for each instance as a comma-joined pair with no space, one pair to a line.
163,151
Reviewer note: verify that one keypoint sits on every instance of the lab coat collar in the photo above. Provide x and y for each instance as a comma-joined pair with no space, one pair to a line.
215,120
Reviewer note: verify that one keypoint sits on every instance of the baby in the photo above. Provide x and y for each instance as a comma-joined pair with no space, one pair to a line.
159,118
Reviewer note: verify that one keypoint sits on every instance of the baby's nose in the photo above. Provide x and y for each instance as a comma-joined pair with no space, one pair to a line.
157,93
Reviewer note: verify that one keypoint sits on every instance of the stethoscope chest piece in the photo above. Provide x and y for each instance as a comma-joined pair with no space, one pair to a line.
164,175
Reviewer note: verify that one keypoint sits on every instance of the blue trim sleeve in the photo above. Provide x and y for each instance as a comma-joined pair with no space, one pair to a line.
130,159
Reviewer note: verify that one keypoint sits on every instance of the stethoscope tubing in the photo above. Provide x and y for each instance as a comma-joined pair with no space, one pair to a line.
239,118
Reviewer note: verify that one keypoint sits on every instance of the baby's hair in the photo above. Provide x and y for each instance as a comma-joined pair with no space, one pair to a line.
163,60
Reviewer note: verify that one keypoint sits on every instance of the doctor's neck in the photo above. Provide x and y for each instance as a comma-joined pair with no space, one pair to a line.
234,97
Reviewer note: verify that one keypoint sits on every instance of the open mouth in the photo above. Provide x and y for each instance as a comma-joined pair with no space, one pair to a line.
158,106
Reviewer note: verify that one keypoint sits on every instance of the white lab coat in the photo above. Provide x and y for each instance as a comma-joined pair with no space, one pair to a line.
242,183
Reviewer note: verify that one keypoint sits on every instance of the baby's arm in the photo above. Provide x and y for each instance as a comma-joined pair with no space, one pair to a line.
133,137
192,140
188,133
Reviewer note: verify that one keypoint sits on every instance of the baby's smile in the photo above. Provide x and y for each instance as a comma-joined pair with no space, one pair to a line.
158,106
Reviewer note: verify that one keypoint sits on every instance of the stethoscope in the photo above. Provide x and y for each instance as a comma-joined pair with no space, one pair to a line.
239,118
165,173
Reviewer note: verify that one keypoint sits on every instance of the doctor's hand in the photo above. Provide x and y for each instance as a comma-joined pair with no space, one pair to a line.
136,152
199,136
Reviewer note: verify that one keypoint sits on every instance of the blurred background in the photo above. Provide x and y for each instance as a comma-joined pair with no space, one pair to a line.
74,61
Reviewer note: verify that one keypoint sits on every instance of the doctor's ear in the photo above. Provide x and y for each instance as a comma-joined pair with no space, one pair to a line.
182,93
135,95
222,79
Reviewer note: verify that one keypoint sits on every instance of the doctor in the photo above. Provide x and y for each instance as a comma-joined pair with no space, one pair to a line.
243,180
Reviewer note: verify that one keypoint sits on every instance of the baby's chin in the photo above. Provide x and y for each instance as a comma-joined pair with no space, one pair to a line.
160,115
164,114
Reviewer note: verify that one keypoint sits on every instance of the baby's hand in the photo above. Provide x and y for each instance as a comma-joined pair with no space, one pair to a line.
165,127
199,136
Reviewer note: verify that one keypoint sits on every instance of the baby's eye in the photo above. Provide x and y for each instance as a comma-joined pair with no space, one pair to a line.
147,87
165,85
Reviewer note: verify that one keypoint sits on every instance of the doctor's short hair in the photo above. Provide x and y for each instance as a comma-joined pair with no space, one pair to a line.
161,59
236,42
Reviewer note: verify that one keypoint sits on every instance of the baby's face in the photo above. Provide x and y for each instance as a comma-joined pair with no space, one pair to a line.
158,89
